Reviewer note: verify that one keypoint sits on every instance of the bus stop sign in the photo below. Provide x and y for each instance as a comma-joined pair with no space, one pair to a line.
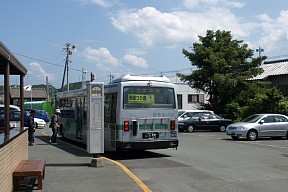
95,118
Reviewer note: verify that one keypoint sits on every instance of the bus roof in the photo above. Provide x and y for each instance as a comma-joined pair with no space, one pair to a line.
129,77
35,102
75,92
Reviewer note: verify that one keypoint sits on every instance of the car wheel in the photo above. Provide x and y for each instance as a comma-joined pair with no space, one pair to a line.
222,128
190,128
36,125
287,135
235,137
252,135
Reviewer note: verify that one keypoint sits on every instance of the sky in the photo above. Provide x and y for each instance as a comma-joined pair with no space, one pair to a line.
140,37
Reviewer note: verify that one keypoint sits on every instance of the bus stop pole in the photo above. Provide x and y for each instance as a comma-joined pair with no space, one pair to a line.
97,161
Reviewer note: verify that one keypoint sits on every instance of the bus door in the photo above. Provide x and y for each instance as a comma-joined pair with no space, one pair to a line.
110,116
79,117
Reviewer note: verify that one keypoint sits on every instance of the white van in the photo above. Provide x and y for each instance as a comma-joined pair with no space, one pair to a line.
186,114
15,117
12,107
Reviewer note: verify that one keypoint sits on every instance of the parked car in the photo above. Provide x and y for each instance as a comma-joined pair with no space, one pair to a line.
204,121
12,107
260,125
15,116
41,114
40,123
186,114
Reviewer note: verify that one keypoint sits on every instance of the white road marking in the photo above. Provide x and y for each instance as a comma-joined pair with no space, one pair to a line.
246,142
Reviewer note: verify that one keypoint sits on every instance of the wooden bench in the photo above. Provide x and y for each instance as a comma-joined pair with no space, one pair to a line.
27,168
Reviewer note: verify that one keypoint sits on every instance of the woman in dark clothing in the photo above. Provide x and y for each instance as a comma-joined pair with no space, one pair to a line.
31,127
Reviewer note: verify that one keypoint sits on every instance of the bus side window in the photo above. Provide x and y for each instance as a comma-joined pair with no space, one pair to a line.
110,108
114,108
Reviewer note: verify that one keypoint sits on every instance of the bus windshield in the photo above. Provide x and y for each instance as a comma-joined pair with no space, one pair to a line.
148,97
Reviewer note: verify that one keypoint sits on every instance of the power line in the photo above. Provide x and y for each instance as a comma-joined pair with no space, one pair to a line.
56,56
40,60
165,72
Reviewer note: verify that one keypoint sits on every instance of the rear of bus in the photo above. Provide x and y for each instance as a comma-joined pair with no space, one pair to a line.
147,116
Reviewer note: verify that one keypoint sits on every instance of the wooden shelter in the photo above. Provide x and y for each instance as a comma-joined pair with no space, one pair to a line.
10,65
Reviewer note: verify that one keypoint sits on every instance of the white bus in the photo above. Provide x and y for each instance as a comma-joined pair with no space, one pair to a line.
139,113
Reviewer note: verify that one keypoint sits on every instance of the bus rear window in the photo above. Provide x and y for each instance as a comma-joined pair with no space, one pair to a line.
148,97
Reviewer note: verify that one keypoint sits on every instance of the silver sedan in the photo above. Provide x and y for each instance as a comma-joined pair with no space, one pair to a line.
259,125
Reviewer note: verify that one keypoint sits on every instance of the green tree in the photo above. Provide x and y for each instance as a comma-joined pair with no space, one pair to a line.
223,66
257,99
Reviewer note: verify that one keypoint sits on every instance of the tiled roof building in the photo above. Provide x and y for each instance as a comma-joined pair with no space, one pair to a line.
275,72
37,94
273,69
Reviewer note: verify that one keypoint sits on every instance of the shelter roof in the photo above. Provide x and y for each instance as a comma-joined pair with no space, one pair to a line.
16,68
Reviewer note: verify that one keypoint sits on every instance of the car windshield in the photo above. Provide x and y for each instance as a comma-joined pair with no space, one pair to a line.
180,113
252,118
206,116
197,116
40,112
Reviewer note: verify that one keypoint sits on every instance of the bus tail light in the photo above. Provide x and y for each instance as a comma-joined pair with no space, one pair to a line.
172,125
126,125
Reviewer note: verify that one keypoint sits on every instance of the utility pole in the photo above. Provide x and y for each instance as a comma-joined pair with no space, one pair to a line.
47,88
259,50
69,51
111,77
93,77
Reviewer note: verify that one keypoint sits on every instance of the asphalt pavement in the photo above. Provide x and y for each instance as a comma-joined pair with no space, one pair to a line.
68,168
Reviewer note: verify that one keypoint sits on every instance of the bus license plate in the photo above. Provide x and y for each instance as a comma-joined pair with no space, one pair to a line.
150,135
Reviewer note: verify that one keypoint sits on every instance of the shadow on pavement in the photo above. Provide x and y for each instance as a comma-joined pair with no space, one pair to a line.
67,164
128,155
66,146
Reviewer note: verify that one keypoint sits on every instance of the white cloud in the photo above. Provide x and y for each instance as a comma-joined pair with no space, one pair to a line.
35,69
192,4
102,3
101,56
136,61
136,51
275,32
153,27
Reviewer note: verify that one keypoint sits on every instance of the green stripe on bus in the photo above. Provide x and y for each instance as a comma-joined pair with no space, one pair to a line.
141,127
